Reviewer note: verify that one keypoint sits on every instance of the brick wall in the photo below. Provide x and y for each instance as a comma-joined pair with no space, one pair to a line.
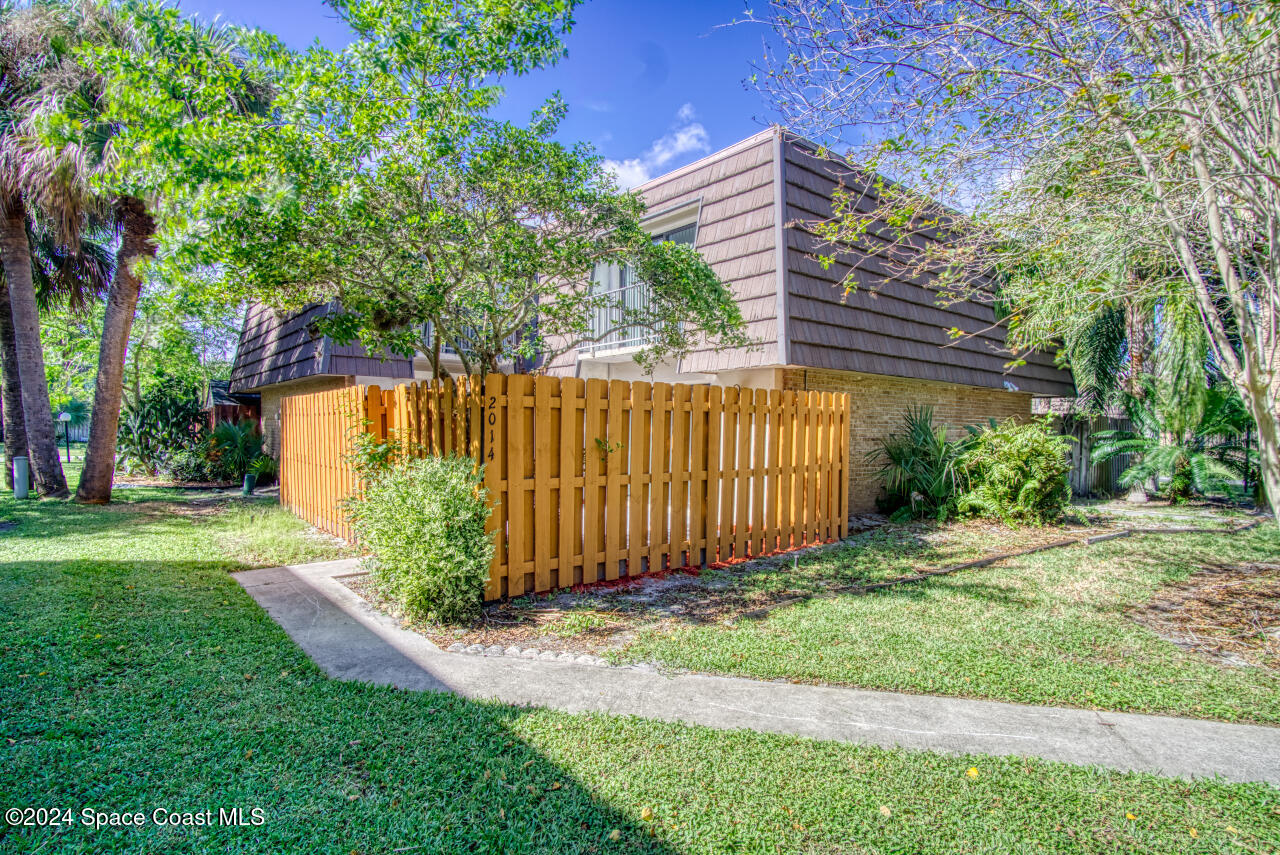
878,405
272,395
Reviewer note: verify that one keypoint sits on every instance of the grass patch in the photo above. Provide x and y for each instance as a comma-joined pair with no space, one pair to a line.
1051,628
136,674
262,534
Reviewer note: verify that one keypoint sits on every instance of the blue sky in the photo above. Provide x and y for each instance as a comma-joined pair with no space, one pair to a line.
653,84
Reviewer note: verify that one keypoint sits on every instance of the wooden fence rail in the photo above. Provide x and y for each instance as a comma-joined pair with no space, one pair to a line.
592,480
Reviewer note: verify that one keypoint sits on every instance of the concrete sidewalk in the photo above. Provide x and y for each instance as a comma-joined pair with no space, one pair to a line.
352,641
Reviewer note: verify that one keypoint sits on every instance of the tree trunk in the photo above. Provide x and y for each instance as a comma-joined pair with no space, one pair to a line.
1135,330
15,428
137,229
1268,451
42,441
1139,339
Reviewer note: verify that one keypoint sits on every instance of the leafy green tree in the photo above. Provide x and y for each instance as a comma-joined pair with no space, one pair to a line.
394,194
959,99
181,335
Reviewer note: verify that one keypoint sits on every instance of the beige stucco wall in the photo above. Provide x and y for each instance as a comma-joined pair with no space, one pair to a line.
878,405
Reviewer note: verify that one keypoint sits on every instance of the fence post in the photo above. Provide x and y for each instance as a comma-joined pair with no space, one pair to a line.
489,436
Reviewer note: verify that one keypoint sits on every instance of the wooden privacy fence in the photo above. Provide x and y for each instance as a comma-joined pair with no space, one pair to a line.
593,480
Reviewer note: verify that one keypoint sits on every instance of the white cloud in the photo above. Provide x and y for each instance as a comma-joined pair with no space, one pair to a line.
684,137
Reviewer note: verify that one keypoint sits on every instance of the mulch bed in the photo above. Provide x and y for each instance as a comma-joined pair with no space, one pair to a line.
1228,613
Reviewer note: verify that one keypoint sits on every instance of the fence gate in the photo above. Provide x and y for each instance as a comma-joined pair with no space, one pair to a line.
596,480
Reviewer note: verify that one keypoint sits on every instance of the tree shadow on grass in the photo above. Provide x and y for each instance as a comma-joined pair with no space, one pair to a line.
132,686
955,585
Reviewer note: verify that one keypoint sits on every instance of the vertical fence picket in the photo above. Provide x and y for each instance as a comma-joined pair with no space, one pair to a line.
572,499
711,507
638,447
728,470
680,553
698,410
846,432
594,500
616,496
799,422
659,479
831,454
742,485
811,468
759,459
545,460
493,435
773,478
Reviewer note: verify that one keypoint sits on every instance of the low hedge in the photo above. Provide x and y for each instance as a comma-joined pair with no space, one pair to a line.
423,521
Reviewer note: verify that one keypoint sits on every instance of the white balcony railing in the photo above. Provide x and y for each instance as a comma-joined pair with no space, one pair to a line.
625,295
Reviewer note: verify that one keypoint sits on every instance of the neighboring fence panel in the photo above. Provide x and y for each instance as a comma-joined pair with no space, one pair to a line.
593,480
316,431
1089,477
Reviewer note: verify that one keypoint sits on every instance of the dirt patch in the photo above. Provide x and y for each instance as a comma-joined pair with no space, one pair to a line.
577,630
160,509
1230,614
128,481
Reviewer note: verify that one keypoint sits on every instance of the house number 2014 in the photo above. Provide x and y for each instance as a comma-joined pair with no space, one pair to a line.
493,420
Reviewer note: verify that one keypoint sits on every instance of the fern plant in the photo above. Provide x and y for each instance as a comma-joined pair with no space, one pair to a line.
1017,473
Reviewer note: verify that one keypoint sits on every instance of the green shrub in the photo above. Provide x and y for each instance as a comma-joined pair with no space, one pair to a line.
423,521
191,465
1017,473
234,447
920,467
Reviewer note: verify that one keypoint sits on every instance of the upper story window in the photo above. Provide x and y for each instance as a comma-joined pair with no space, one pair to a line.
625,293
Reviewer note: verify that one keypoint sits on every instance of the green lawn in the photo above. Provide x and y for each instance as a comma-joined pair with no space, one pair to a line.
1050,628
137,675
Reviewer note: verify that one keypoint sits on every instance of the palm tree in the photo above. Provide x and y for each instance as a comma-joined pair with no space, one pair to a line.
1202,456
61,276
27,53
14,427
81,99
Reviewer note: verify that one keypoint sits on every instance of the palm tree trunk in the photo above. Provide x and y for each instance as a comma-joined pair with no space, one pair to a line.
137,228
15,427
1135,328
42,441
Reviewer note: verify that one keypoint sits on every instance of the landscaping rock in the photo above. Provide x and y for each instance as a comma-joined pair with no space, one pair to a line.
493,650
475,648
457,647
512,651
548,655
529,653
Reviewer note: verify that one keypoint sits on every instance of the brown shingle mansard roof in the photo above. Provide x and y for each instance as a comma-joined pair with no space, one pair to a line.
749,199
276,349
